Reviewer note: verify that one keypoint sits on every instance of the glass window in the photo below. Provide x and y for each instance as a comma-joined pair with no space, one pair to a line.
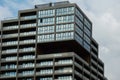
65,19
45,38
79,23
45,29
45,21
87,39
88,24
46,13
65,27
78,39
63,11
79,31
87,31
64,36
86,46
79,14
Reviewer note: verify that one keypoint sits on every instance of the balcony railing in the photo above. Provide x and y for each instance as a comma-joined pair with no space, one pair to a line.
28,25
28,33
10,27
63,62
12,66
28,17
9,51
64,70
26,57
27,65
27,41
9,59
27,49
10,43
10,35
8,74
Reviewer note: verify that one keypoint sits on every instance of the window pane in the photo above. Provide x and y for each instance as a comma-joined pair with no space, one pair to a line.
66,27
79,14
86,46
45,21
63,36
45,29
65,19
46,13
45,38
63,11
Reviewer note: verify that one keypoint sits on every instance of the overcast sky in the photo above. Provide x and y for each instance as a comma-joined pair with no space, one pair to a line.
105,15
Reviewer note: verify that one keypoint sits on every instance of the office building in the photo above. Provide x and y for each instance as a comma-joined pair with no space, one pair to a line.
50,42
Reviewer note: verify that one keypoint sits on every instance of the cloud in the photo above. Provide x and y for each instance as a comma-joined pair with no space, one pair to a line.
104,14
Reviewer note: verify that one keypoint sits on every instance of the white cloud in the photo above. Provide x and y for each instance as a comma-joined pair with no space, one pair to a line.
104,14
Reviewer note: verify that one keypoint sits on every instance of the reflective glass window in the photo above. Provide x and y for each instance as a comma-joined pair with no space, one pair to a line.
65,19
46,13
65,27
45,29
45,21
63,36
45,38
63,11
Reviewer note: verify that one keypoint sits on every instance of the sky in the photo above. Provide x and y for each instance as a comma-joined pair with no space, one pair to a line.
105,16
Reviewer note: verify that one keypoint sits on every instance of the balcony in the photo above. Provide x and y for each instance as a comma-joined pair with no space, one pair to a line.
100,67
10,35
94,48
9,67
27,25
28,17
27,57
63,62
11,27
86,71
95,63
64,78
12,43
95,70
63,70
29,49
27,41
9,51
26,73
45,64
45,72
28,33
94,76
9,59
26,65
8,75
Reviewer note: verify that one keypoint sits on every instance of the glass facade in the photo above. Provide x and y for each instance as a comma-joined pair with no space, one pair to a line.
45,38
65,27
79,23
46,13
63,11
79,14
46,21
49,42
87,24
65,36
46,29
87,46
65,19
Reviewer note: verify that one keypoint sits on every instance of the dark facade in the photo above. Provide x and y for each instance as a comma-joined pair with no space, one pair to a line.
50,42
